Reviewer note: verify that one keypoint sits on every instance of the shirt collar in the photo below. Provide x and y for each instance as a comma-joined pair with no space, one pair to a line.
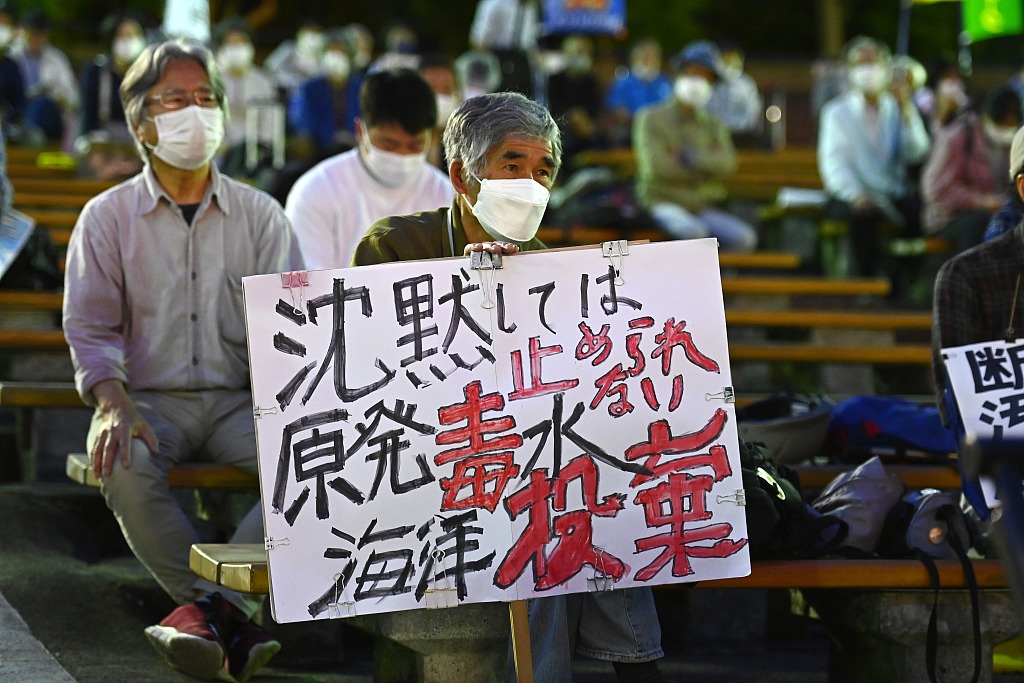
154,192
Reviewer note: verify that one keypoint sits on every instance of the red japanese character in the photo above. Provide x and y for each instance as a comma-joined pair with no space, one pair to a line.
675,336
537,386
476,427
676,503
606,386
661,442
485,475
594,343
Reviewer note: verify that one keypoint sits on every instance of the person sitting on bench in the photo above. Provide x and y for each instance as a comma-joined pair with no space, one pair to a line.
153,316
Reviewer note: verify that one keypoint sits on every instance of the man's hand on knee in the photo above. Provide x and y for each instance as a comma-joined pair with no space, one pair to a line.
121,423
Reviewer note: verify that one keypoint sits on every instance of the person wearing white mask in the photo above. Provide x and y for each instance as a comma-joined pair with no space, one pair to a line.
867,138
963,179
50,83
334,203
439,73
642,85
247,87
684,154
101,78
576,97
294,62
324,109
12,85
505,152
153,315
735,99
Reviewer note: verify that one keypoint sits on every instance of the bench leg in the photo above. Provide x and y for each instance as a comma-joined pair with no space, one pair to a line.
465,643
880,635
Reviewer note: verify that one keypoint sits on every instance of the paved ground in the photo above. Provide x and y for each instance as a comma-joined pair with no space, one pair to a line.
74,602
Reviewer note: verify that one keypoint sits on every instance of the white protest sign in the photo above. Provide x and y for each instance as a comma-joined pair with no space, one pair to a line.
431,435
15,228
987,380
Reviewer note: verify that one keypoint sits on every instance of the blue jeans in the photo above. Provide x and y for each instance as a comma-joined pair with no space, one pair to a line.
732,233
617,626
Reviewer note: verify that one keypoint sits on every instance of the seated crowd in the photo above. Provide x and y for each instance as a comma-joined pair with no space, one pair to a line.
433,154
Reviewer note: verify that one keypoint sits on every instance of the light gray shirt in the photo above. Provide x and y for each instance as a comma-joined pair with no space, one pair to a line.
156,303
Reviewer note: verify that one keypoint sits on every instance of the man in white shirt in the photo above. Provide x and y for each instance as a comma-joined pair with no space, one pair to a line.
867,138
50,83
387,174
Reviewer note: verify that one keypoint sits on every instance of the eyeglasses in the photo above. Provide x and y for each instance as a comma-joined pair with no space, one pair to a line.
179,99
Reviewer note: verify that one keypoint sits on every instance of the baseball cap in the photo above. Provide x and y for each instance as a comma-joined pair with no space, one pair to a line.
702,52
1017,153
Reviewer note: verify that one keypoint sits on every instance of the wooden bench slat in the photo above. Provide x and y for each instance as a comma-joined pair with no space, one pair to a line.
806,285
33,340
184,476
25,299
880,574
39,395
65,199
874,320
77,186
775,260
913,476
243,567
901,354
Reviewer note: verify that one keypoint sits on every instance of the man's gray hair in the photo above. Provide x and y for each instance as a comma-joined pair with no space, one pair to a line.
147,70
481,123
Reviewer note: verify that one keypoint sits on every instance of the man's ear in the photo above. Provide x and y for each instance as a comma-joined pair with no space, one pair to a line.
1019,182
358,125
455,175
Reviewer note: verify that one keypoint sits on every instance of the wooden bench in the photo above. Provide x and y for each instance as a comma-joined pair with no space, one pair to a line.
806,286
862,320
80,187
187,475
854,598
731,284
913,476
243,567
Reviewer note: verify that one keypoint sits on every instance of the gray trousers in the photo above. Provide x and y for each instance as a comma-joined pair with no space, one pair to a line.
199,426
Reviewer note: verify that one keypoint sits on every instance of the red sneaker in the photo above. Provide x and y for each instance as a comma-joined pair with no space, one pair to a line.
249,648
188,641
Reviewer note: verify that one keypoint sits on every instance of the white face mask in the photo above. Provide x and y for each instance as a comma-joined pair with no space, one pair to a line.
6,35
235,57
953,90
732,72
310,43
389,168
644,72
694,91
445,106
511,209
127,49
869,78
999,135
188,138
335,65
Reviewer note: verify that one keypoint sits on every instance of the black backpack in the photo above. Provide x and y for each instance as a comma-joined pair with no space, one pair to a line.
780,525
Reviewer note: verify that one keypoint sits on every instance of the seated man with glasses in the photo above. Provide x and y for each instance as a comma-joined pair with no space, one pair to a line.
153,315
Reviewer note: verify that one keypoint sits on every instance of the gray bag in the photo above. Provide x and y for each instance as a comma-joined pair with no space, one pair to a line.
862,498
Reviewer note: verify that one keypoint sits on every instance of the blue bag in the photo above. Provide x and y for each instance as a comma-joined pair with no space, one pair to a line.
863,426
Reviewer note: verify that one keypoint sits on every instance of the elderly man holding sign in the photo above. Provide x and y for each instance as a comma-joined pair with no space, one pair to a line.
504,152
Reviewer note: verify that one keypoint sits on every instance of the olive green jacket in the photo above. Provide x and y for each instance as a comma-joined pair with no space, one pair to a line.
419,236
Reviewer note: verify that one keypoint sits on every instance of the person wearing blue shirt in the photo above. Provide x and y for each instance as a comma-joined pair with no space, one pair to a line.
324,108
644,84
